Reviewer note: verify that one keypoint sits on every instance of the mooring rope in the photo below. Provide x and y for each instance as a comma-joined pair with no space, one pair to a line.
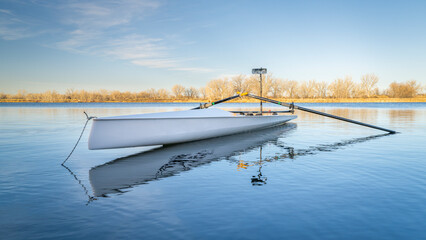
91,198
87,121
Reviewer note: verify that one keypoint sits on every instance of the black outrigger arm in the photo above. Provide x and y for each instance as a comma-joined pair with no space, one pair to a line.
292,106
207,105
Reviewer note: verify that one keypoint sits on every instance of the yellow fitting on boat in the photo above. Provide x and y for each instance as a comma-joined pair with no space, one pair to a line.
243,94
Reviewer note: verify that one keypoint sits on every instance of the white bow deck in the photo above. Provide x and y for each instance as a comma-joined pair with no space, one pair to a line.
199,113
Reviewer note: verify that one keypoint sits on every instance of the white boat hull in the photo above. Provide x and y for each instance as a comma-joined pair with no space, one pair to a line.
175,127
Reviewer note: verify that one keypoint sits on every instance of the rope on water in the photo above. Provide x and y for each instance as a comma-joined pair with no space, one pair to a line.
91,198
87,121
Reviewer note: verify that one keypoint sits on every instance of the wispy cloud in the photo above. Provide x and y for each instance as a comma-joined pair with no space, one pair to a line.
5,11
156,63
12,27
135,46
113,29
95,22
193,69
95,32
10,33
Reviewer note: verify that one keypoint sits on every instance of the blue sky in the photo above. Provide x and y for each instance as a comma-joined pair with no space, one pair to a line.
135,45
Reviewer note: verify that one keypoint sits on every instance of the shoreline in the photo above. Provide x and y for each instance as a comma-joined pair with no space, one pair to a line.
300,100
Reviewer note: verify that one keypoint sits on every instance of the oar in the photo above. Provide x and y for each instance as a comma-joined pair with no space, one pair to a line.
206,105
292,106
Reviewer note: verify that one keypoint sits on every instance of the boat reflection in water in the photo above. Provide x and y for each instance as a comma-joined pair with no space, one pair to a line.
124,173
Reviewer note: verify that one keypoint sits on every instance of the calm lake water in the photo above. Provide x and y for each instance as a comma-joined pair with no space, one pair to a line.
314,178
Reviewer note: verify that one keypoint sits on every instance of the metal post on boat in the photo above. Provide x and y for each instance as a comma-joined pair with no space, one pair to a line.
260,71
261,108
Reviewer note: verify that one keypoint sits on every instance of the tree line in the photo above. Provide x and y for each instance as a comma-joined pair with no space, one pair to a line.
223,87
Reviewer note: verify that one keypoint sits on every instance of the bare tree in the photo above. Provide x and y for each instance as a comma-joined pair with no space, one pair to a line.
289,87
404,90
70,93
152,94
115,95
53,96
417,87
142,95
191,93
368,85
202,92
218,89
104,95
342,87
321,89
239,84
21,94
267,82
276,87
178,90
253,84
163,93
307,89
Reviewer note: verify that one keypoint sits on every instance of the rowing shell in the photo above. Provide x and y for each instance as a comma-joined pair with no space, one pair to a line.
174,127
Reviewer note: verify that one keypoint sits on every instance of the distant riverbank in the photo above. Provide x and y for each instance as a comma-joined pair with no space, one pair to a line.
248,100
